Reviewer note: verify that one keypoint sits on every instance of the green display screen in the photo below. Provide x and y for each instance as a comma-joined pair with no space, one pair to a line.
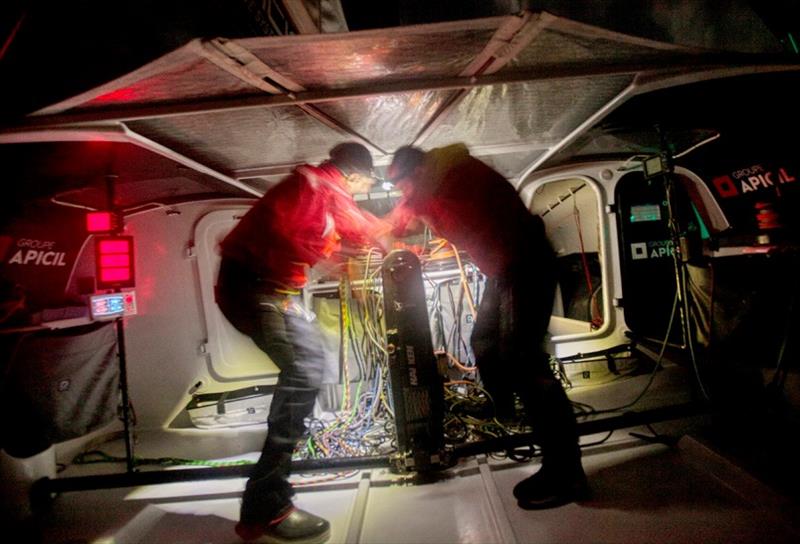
645,212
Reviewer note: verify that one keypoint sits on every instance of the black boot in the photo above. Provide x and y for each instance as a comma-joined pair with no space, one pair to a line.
552,488
293,526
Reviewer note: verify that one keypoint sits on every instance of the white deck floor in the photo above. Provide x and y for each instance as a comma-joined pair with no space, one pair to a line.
642,492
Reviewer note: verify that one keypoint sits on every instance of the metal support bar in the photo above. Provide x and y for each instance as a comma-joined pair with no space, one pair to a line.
123,385
242,64
111,205
707,68
46,486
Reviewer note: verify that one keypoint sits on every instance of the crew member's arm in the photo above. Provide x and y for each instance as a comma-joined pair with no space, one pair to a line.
356,225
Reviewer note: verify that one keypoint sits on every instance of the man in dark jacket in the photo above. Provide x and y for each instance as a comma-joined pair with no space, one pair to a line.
468,203
265,257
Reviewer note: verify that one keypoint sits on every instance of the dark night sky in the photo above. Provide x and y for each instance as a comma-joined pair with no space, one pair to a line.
63,48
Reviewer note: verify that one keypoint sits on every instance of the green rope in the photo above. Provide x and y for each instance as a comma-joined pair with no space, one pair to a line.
97,456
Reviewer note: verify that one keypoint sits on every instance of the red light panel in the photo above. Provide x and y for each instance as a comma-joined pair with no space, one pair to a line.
114,262
114,275
99,222
109,246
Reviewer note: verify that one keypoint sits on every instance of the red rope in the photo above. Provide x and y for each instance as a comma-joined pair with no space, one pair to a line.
596,319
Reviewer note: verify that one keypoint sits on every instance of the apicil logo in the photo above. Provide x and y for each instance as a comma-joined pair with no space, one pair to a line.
639,251
651,250
754,178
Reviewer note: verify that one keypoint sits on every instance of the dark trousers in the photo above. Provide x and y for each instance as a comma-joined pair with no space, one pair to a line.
286,332
508,342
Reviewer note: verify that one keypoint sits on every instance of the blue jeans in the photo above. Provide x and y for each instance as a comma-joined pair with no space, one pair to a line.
282,328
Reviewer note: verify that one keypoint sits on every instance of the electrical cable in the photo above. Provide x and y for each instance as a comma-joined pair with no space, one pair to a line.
656,366
690,342
681,286
362,425
656,438
597,443
583,408
456,363
464,283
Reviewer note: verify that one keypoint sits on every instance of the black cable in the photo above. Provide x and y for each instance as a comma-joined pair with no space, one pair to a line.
584,410
656,366
681,284
601,441
657,437
523,456
463,427
688,334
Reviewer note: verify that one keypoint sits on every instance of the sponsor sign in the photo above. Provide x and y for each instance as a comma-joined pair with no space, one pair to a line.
751,180
651,250
39,256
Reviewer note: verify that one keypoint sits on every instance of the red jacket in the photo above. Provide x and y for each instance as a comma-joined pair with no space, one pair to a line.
297,223
468,203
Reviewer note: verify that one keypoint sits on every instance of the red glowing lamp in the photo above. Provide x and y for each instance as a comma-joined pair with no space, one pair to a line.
114,262
100,222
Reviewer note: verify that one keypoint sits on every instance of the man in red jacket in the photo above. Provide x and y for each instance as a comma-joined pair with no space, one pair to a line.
474,207
297,223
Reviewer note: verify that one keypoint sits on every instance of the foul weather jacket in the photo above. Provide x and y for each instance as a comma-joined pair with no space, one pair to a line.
471,205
